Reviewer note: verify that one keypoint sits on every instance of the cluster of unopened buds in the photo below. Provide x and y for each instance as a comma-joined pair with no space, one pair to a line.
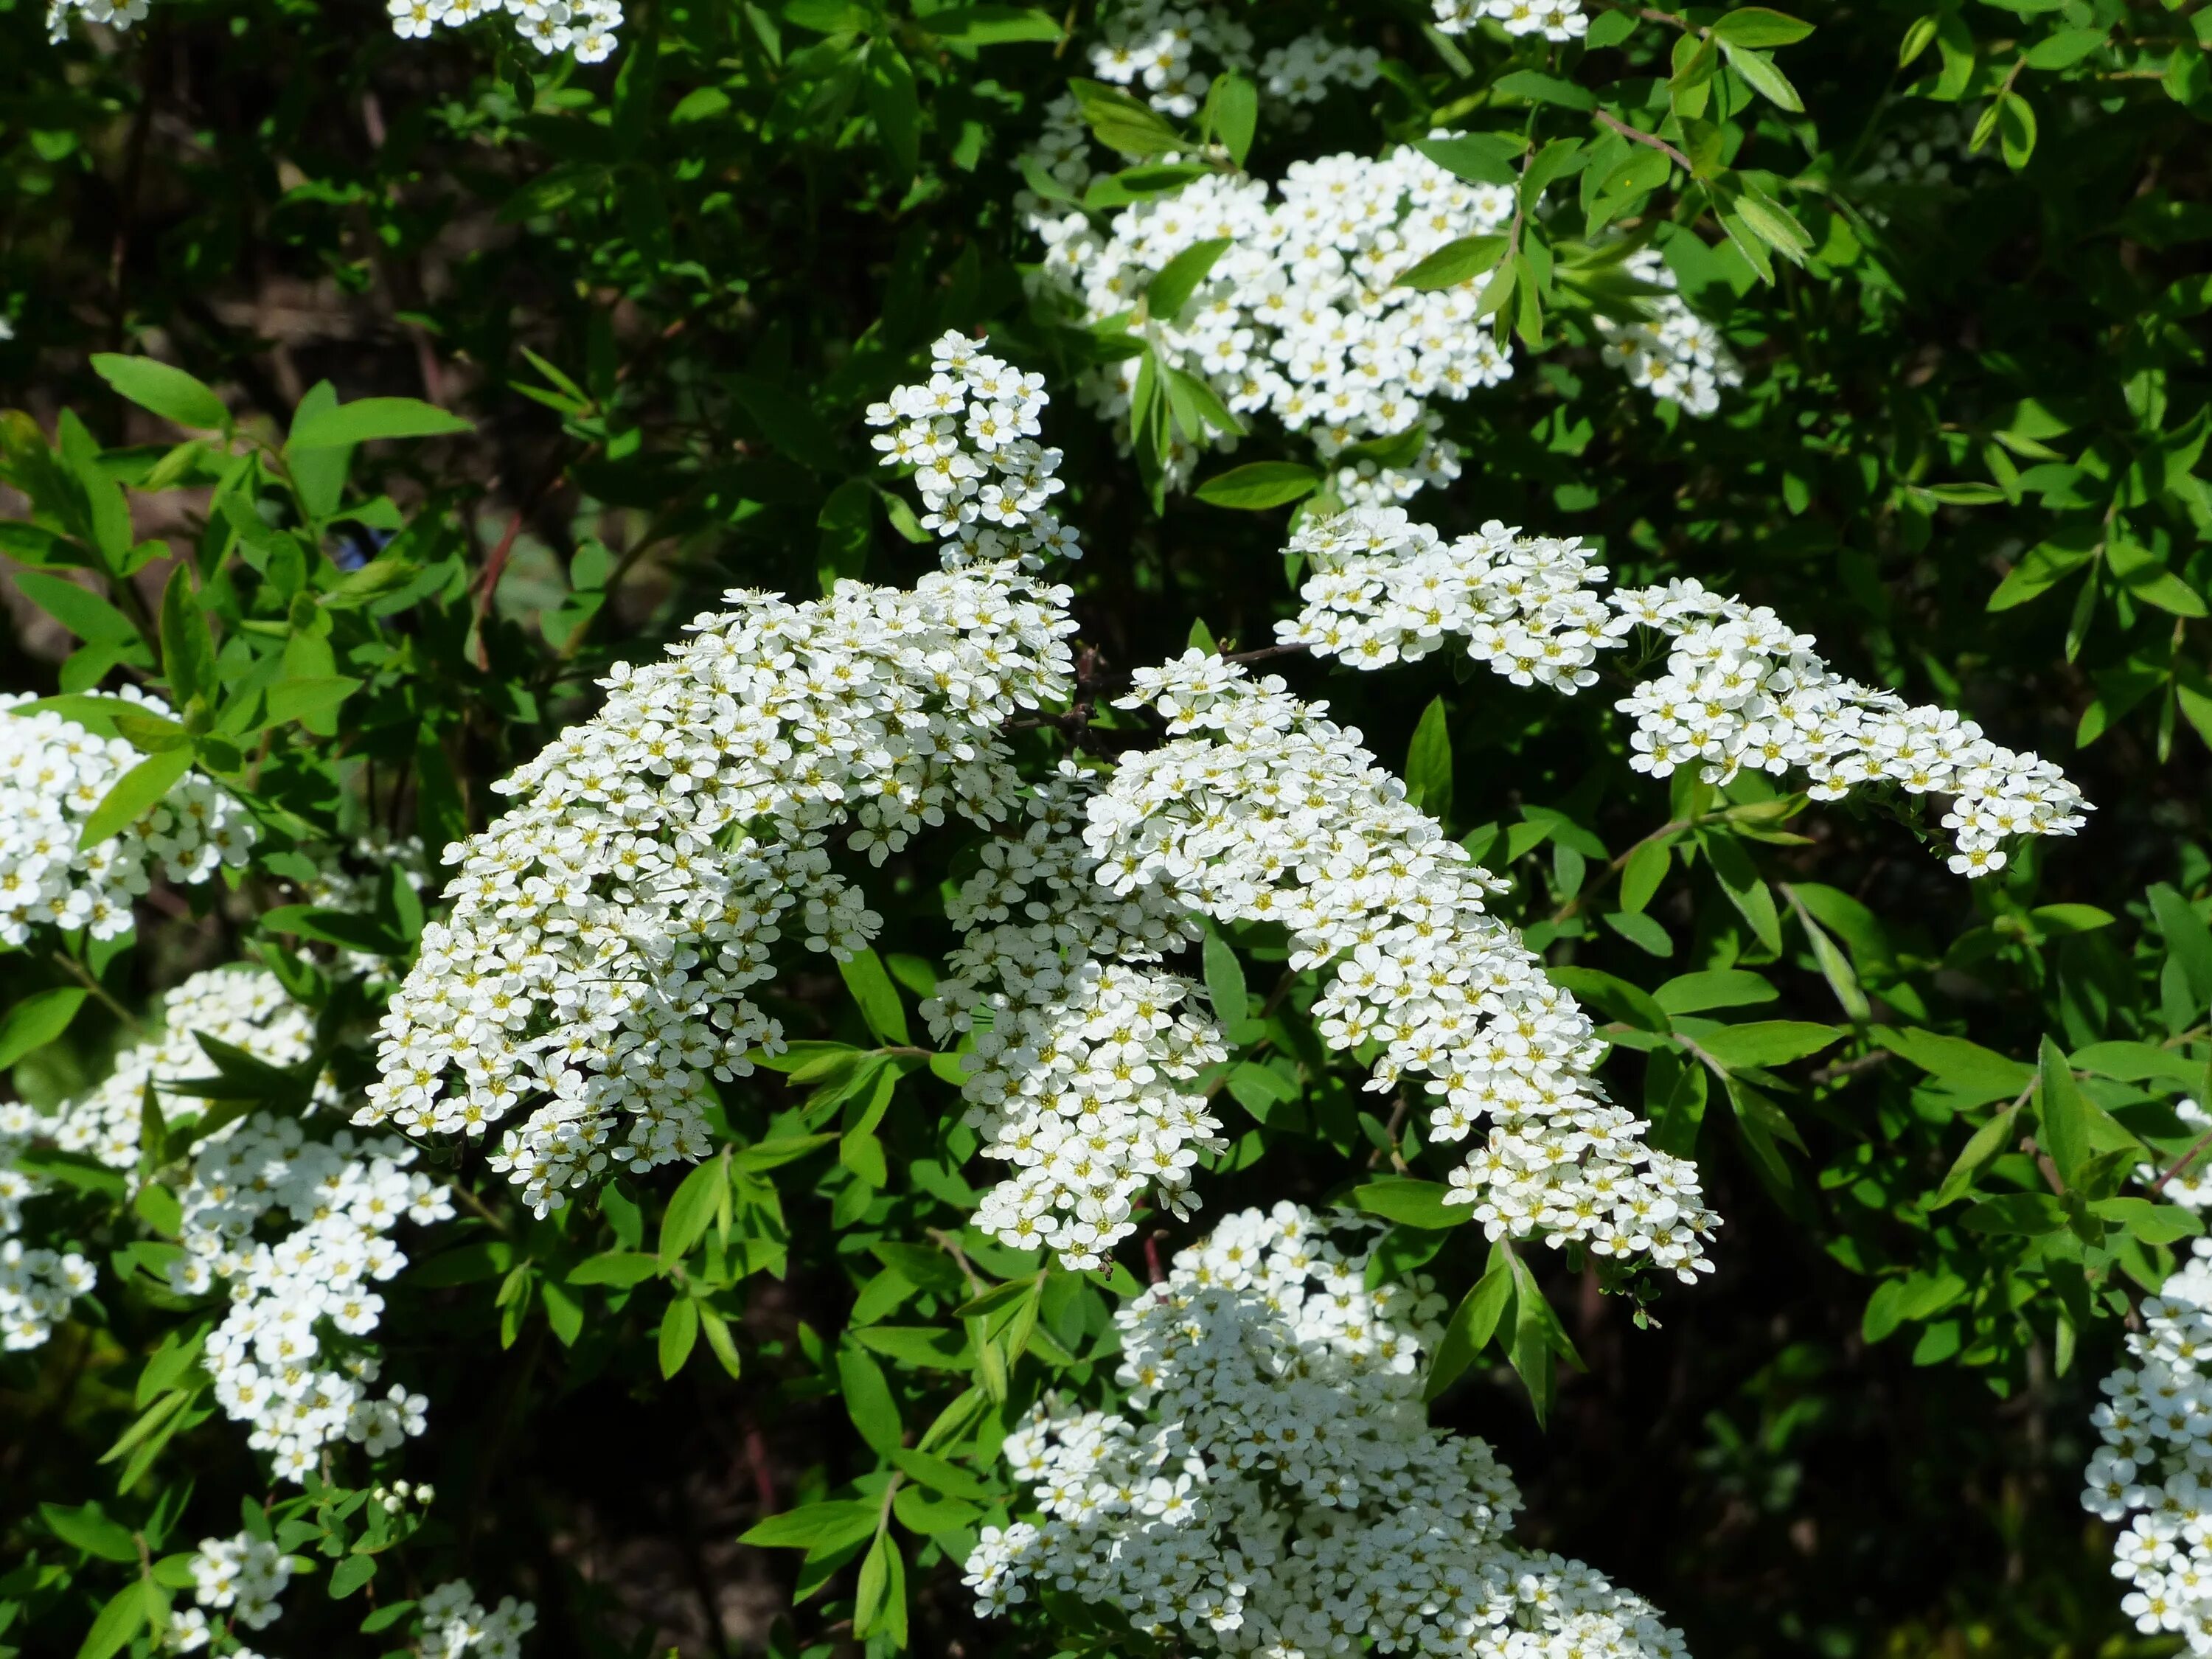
54,773
1741,690
1274,1487
394,1498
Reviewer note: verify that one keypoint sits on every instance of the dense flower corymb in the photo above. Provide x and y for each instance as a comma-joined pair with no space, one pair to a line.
607,931
53,773
1742,689
1259,809
1276,1488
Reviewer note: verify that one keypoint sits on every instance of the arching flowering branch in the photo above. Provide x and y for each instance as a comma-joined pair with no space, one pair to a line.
1274,1487
607,932
1741,689
1259,809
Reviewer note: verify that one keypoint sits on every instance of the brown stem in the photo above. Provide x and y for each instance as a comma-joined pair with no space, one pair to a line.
1649,139
2179,1163
495,568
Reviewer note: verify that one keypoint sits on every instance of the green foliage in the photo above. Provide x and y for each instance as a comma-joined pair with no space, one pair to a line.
382,397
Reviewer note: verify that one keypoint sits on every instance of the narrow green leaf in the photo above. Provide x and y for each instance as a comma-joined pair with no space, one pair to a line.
373,418
134,794
168,392
37,1020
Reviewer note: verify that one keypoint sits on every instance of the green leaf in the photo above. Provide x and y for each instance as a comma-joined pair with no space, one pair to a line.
1411,1203
990,26
90,1529
1429,762
1981,1149
1473,1323
2016,134
128,1612
134,794
1259,485
690,1211
1966,1067
84,613
1121,122
1233,114
620,1268
305,698
1764,1043
868,1399
1455,263
1539,1339
1225,986
1715,987
373,418
1756,26
2188,940
1640,876
2060,51
2151,1222
167,391
939,1475
879,1600
679,1330
1481,158
2029,1214
1170,288
871,985
350,1574
1541,89
822,1527
37,1020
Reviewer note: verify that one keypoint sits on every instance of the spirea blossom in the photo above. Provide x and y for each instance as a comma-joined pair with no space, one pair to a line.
585,30
1260,809
1671,351
1555,19
53,773
116,17
454,1623
1085,1069
1275,1487
290,1357
1741,689
246,1009
1302,315
2154,1472
241,1576
607,930
1162,52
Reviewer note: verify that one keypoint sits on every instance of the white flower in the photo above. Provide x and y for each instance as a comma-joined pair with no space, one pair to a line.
53,773
1279,1490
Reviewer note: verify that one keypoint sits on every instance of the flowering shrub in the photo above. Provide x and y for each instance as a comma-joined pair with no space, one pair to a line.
842,828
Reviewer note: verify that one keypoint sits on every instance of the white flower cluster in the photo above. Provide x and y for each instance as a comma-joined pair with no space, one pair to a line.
1672,353
1383,589
117,16
1555,19
1281,1491
53,773
2154,1470
242,1576
344,1198
454,1622
1302,316
1084,1070
38,1287
1741,689
607,931
1155,45
585,29
1259,809
1921,154
249,1010
969,433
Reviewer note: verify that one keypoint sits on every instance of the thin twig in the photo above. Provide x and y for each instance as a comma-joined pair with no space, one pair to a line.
83,976
1651,139
2180,1164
